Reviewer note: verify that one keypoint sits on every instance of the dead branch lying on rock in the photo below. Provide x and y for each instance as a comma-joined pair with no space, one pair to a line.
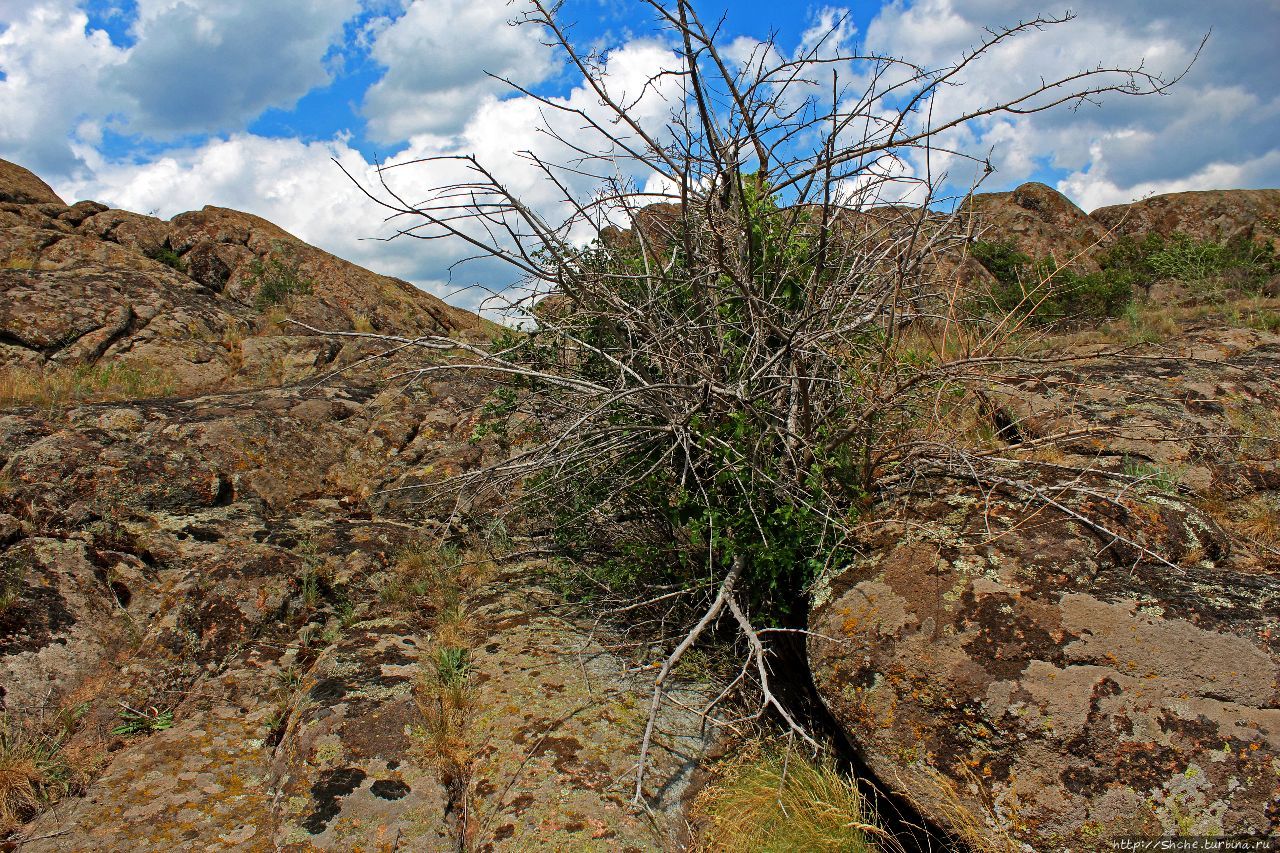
725,380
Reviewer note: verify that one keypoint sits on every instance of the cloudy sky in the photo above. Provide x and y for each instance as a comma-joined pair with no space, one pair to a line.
161,106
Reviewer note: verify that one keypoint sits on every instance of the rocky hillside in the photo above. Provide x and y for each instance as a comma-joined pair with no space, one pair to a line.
199,299
221,625
228,621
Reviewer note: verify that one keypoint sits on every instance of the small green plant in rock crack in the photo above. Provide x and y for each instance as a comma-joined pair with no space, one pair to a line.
14,566
10,590
290,677
1152,476
310,581
135,722
453,666
277,278
168,257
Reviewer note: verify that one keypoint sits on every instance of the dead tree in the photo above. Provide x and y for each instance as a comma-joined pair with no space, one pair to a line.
727,381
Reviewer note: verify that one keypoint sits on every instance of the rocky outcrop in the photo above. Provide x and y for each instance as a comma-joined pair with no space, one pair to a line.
84,284
161,552
1213,215
1041,223
214,565
19,186
1083,659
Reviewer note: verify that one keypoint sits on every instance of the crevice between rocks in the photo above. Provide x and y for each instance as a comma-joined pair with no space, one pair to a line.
893,812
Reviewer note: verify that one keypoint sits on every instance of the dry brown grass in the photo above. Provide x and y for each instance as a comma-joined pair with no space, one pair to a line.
437,581
1257,426
1254,522
982,831
775,797
38,765
1146,323
1261,522
62,386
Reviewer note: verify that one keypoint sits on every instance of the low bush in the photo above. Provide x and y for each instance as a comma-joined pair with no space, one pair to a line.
1046,293
1245,264
1039,289
277,278
168,257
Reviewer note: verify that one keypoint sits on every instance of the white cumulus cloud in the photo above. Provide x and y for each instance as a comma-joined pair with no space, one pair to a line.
1218,128
439,55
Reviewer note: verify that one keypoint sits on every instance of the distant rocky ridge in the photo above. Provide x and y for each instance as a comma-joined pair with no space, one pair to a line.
84,283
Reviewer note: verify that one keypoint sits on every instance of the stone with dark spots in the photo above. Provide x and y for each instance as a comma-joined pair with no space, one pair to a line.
328,690
326,792
1044,668
35,619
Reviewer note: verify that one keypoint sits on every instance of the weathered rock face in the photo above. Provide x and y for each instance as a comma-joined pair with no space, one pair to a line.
19,186
1075,681
221,554
1041,223
1215,215
84,284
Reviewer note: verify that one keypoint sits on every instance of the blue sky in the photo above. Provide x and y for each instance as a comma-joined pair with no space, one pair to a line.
165,105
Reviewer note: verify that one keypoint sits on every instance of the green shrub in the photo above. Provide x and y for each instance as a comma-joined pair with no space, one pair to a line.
168,257
1048,294
1002,260
1240,263
277,278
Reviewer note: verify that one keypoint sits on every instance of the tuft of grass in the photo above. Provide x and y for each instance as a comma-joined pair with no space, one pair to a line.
1153,477
35,768
361,323
9,593
433,576
778,799
11,572
436,581
1264,320
453,665
1147,326
63,386
981,831
312,583
1262,522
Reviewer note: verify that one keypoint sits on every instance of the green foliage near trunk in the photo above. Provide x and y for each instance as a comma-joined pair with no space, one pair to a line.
652,518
